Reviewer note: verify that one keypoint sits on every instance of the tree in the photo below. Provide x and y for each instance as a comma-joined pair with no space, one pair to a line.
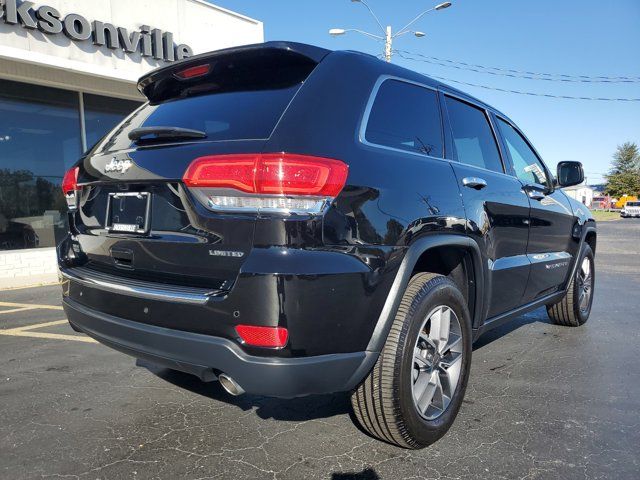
624,176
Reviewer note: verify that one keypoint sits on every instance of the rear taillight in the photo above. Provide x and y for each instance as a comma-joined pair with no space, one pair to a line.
274,182
273,337
70,181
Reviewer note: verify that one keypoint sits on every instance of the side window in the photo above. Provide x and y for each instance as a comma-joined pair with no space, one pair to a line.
407,117
528,166
472,136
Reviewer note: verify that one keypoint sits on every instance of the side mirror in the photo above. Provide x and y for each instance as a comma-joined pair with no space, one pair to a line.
570,173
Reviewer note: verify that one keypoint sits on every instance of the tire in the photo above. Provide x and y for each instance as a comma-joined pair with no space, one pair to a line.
384,403
571,311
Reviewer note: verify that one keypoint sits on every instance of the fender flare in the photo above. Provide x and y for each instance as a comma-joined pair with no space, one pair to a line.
414,252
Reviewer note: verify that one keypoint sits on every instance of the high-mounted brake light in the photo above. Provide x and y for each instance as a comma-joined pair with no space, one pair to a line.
70,181
193,72
276,182
273,337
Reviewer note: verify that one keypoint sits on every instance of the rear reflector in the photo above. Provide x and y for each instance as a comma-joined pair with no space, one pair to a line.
193,72
70,181
273,173
274,337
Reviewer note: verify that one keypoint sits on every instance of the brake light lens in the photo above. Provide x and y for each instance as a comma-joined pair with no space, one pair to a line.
193,72
273,337
70,181
225,171
288,174
276,182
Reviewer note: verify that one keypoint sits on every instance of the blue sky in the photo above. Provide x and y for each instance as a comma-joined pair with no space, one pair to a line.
575,37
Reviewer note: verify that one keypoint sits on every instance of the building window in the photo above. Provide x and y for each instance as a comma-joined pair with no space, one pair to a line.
102,114
40,138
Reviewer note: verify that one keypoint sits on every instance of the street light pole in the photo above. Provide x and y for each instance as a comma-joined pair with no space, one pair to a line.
388,32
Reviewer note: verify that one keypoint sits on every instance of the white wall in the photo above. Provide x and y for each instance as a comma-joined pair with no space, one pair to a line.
199,24
20,268
580,194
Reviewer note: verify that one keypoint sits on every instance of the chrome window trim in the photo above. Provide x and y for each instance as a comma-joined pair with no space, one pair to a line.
367,113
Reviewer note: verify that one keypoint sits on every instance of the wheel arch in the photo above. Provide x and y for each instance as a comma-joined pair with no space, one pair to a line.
456,256
591,238
588,235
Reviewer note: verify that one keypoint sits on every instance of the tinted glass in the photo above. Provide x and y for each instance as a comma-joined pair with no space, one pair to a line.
407,117
102,114
472,136
528,167
39,140
240,115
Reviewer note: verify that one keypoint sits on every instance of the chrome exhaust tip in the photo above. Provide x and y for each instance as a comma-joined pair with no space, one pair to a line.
230,385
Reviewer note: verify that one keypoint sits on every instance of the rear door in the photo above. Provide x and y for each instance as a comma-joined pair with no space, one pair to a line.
496,207
551,247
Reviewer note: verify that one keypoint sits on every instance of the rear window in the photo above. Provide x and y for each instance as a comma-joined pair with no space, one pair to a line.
243,115
241,98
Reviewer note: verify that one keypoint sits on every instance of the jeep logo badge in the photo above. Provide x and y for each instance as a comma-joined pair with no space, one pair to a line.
120,166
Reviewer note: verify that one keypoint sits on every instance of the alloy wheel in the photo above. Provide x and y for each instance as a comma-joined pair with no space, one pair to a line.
437,362
585,284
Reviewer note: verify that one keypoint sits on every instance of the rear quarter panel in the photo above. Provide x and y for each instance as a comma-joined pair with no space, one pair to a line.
391,198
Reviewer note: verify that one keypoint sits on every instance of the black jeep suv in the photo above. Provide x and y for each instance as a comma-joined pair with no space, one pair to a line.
290,221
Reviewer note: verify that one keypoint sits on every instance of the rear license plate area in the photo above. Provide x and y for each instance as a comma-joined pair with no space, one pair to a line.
129,213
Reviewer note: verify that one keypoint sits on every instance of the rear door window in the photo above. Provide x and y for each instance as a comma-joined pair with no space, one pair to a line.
473,138
406,116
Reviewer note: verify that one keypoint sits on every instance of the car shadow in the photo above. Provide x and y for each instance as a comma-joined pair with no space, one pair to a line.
300,409
312,407
536,316
366,474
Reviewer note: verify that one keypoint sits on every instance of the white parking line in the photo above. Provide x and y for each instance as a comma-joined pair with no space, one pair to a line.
28,332
39,325
29,306
14,310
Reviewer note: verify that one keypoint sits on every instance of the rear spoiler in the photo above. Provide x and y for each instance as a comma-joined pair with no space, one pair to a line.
249,66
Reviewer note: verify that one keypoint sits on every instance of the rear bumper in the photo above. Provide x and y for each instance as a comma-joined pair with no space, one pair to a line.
329,299
206,356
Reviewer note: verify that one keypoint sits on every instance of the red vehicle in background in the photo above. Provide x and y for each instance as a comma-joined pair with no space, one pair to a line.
604,202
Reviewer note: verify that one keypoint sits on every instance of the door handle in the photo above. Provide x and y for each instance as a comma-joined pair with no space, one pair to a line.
535,192
474,182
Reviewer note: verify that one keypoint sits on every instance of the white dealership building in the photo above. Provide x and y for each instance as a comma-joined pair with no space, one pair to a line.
68,72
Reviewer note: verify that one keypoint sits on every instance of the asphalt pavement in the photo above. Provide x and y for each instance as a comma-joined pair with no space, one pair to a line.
543,402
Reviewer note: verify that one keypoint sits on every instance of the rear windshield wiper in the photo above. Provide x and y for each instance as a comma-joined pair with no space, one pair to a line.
165,133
